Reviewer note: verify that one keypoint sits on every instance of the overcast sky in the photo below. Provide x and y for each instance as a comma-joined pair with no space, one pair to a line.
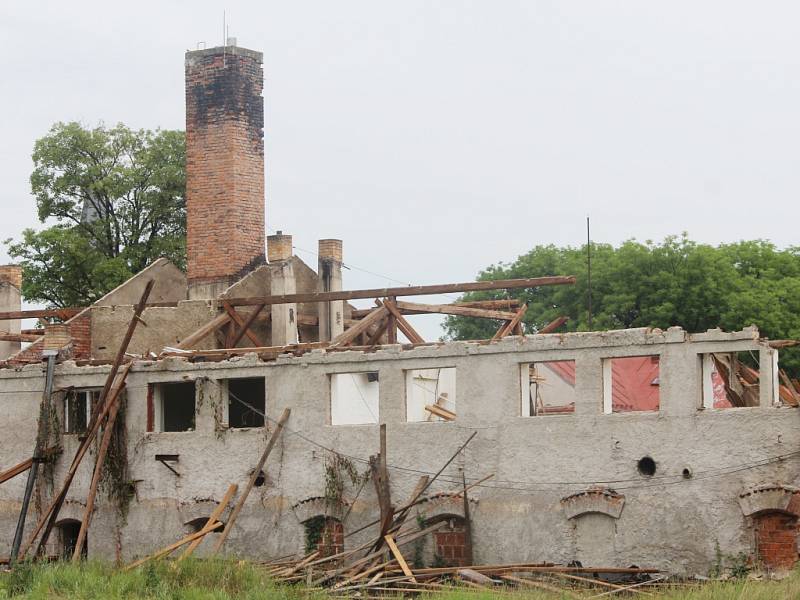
438,137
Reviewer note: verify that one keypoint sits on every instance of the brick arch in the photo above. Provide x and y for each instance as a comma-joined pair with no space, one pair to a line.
593,500
774,511
770,498
443,503
315,506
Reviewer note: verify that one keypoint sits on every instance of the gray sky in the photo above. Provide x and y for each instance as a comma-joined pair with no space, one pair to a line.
436,138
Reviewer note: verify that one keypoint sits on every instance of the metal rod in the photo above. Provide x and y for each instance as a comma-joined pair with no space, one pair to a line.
38,455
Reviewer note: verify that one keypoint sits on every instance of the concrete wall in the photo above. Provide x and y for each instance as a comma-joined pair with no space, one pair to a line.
10,300
541,505
169,286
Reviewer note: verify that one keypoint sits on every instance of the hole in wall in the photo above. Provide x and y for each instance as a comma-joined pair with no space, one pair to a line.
260,479
646,466
687,473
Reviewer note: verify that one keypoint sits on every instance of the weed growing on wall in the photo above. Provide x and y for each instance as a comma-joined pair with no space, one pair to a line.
339,471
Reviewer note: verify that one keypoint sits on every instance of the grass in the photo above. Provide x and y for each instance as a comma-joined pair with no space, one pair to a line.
224,580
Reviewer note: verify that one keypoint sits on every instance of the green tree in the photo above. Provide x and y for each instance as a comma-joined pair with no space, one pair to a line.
675,282
113,201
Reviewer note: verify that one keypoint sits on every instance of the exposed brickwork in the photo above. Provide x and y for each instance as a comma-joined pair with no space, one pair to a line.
451,545
331,249
776,540
224,164
11,274
279,247
79,330
331,540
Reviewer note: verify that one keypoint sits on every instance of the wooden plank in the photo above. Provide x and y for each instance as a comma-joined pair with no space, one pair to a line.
440,412
351,334
243,326
18,337
59,313
202,332
540,585
16,470
553,325
172,547
253,476
391,326
509,327
499,305
212,519
399,556
108,398
418,290
453,309
105,442
402,324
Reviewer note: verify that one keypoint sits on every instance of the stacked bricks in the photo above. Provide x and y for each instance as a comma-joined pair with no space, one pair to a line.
279,247
331,540
11,274
331,250
224,164
451,545
776,540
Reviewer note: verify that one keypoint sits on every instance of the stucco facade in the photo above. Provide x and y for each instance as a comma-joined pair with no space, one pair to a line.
565,487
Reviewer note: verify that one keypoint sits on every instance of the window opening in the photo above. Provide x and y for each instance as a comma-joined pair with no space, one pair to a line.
431,394
246,402
631,384
354,398
548,388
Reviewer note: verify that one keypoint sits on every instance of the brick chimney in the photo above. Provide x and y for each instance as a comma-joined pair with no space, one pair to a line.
224,167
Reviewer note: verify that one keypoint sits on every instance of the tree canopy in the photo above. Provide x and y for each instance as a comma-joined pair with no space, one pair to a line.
113,201
675,282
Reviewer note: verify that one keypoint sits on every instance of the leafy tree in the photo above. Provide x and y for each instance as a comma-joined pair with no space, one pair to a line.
675,282
113,200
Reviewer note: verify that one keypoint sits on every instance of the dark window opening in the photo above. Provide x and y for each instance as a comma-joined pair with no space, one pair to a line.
197,524
251,391
178,406
68,532
78,406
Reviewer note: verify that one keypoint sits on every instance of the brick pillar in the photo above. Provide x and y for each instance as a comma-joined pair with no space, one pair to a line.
331,314
776,540
284,316
10,300
331,540
224,167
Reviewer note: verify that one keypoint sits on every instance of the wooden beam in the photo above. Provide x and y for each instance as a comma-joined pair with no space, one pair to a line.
379,331
16,470
400,560
510,325
102,452
350,334
445,414
244,327
452,309
59,313
253,476
358,313
199,334
553,325
215,515
391,326
172,547
402,324
419,290
18,337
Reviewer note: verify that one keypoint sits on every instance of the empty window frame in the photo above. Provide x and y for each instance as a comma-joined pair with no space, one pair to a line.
354,398
174,406
631,384
78,406
548,388
731,380
246,402
431,394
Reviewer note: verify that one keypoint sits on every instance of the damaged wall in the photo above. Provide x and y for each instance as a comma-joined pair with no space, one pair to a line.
666,520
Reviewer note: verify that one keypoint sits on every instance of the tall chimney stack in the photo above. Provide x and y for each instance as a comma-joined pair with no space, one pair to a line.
10,301
224,167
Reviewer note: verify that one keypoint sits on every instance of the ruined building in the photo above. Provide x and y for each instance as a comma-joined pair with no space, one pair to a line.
641,447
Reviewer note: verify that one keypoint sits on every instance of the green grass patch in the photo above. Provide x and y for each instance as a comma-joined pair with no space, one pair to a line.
224,579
